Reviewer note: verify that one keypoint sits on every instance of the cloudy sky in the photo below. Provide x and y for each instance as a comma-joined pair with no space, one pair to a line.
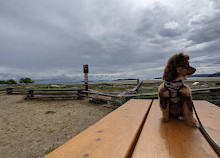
117,38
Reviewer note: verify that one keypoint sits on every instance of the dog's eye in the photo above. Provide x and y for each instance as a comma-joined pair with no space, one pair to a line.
186,66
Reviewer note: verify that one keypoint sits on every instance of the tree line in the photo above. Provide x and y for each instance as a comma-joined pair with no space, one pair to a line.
13,82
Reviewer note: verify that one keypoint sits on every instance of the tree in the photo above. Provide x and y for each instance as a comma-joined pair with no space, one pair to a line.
2,82
26,80
21,80
11,82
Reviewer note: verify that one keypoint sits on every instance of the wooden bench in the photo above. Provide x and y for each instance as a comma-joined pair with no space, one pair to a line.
135,130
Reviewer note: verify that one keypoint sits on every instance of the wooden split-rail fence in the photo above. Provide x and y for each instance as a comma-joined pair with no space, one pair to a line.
46,93
101,97
95,96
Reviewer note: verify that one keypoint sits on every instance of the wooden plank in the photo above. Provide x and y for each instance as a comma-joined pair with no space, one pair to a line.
13,93
2,93
111,137
170,140
105,100
204,89
58,97
131,91
73,89
99,93
139,95
194,91
55,93
209,115
138,87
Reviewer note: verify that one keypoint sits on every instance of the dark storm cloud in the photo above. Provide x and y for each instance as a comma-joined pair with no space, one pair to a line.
116,38
205,28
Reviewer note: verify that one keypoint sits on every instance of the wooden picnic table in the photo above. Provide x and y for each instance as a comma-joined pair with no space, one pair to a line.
135,130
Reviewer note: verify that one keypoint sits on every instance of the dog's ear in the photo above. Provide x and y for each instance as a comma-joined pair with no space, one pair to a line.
183,56
170,72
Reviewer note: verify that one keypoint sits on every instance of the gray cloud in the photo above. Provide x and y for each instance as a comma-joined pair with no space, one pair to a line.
116,38
205,28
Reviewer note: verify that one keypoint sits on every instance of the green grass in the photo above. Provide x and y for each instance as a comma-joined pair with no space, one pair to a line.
50,112
147,91
52,148
110,87
207,98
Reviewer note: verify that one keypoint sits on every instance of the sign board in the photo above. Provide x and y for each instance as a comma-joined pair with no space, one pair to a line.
86,71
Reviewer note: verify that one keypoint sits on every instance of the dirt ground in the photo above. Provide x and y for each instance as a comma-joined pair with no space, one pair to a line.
33,128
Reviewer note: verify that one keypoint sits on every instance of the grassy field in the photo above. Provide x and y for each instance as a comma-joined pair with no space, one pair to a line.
148,86
36,127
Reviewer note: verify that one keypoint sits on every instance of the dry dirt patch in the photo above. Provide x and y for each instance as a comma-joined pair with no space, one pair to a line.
34,127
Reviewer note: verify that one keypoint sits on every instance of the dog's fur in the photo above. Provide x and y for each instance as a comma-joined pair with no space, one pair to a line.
177,69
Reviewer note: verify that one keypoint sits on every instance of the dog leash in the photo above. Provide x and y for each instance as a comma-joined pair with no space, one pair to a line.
205,133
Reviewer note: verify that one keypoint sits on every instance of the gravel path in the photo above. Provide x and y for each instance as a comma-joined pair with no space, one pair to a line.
33,128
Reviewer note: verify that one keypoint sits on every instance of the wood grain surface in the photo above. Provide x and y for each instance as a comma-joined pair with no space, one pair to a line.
173,139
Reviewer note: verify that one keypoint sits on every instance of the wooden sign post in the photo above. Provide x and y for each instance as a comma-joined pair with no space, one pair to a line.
86,71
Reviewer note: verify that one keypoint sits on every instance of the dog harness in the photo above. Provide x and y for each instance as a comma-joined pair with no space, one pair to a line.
174,87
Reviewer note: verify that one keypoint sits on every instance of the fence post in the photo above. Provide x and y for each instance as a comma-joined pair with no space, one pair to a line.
86,71
31,94
9,90
138,81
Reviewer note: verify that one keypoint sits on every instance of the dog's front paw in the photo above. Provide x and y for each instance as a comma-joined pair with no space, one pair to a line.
193,123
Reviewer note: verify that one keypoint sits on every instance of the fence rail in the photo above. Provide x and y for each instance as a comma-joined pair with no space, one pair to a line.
118,98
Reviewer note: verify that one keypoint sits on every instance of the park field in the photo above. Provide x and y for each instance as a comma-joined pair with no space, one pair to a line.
34,128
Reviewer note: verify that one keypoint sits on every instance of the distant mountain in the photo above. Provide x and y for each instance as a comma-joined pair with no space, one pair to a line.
199,75
215,75
126,79
158,78
206,75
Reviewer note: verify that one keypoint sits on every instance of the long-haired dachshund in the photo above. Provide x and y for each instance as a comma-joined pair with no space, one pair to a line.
175,97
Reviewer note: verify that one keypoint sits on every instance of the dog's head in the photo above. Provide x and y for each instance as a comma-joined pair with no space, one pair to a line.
178,67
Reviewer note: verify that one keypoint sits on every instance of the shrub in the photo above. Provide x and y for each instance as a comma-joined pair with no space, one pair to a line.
2,82
10,82
26,80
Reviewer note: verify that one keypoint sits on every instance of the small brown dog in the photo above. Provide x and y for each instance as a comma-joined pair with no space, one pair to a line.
175,97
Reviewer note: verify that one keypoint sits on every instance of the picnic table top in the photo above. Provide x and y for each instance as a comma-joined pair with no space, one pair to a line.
135,130
175,138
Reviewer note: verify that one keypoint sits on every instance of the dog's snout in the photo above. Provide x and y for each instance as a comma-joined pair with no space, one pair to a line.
191,70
